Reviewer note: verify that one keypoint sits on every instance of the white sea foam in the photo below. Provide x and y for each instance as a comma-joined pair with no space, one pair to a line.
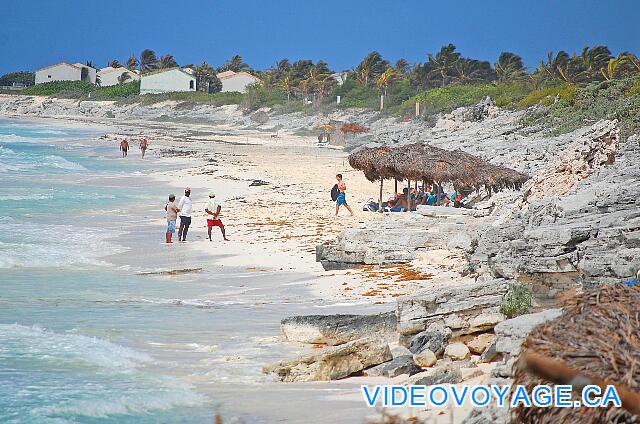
35,245
69,348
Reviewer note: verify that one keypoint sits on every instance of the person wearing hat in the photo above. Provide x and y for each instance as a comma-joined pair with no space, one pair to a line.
185,207
213,213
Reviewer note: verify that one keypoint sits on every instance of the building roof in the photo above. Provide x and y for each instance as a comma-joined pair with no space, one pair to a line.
109,69
57,64
230,74
159,71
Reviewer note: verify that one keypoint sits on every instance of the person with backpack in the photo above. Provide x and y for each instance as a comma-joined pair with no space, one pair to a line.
341,198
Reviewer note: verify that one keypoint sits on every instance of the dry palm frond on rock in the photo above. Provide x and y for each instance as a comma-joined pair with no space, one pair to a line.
597,336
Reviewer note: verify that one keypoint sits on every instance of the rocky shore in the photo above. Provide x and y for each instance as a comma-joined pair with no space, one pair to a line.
574,225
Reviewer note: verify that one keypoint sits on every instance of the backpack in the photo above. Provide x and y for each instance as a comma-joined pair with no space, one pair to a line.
335,192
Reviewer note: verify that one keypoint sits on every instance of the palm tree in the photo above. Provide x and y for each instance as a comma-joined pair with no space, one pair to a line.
206,79
613,65
132,63
124,77
443,63
383,81
509,67
591,61
167,61
554,68
148,60
115,64
402,67
371,67
287,86
235,64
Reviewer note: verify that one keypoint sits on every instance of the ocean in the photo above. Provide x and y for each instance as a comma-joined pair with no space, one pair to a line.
88,332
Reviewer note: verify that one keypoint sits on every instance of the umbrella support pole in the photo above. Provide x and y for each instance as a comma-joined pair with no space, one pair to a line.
380,198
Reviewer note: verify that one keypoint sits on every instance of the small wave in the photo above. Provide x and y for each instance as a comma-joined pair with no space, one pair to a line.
39,343
196,303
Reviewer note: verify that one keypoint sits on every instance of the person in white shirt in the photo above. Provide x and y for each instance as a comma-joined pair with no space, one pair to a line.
213,215
185,207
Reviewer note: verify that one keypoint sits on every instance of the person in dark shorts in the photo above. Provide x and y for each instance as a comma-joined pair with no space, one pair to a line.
143,146
213,216
186,207
124,147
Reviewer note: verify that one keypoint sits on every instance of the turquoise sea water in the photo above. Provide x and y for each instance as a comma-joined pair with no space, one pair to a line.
86,337
65,201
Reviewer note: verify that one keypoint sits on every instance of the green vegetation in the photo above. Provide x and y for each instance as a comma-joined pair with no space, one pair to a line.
615,99
62,89
516,301
20,77
574,89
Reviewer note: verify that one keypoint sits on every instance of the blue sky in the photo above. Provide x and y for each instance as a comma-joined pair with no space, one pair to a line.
35,33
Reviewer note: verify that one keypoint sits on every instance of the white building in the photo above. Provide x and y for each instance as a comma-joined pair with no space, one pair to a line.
112,76
65,72
166,81
236,81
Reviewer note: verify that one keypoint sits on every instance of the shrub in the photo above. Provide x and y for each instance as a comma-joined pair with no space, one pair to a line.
65,89
516,301
114,92
258,96
546,96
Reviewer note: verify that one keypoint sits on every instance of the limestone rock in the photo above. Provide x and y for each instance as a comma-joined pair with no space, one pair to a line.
469,373
510,334
434,339
425,358
447,374
395,367
481,342
489,353
418,311
333,362
337,329
456,351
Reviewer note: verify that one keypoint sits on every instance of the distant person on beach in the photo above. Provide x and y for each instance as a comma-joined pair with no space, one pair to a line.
213,216
172,214
342,197
124,147
185,207
143,146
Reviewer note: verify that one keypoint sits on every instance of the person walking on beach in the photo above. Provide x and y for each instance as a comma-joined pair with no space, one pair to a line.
342,197
213,216
143,146
172,214
124,147
185,207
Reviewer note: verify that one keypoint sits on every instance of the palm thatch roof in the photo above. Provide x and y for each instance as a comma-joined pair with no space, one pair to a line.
418,161
598,338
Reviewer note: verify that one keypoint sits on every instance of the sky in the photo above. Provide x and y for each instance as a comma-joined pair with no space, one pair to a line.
37,33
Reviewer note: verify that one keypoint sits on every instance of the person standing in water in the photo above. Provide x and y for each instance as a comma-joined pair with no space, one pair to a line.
213,216
172,215
143,146
342,197
185,207
124,147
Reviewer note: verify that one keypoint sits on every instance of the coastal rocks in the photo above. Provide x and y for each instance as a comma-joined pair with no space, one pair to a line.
425,358
456,351
337,329
446,374
467,302
433,339
397,366
387,241
332,363
511,333
480,343
578,225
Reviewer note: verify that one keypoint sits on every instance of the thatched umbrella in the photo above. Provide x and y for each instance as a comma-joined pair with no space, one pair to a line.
422,161
595,341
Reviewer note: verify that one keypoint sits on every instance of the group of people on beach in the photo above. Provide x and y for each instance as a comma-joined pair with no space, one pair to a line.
429,195
124,147
183,210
